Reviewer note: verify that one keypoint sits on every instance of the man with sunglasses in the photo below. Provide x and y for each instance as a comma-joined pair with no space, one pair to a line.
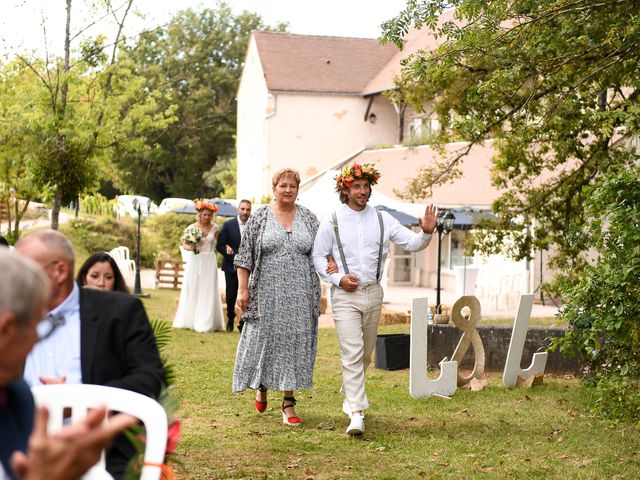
92,336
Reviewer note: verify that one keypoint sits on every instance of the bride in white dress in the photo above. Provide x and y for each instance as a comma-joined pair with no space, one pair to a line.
200,305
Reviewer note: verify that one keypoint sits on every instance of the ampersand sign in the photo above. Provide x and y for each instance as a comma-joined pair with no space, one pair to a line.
469,336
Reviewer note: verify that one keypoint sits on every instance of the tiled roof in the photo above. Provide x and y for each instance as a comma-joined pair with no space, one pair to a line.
399,164
414,40
309,63
361,66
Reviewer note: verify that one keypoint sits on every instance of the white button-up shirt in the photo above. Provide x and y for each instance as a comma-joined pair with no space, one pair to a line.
241,225
59,354
360,237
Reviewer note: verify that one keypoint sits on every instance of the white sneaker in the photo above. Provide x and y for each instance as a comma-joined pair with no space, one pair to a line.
356,427
346,408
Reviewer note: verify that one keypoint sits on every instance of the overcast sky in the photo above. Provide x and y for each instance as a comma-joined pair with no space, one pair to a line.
21,23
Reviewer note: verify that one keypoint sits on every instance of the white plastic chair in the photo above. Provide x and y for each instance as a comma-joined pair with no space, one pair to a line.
125,252
80,398
125,264
116,253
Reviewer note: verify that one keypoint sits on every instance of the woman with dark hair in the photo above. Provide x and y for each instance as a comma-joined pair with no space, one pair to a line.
101,271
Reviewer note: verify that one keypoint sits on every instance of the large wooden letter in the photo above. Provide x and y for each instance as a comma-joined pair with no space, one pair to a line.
419,385
520,325
470,336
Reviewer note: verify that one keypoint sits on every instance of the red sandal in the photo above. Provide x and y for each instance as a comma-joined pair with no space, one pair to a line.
293,421
261,406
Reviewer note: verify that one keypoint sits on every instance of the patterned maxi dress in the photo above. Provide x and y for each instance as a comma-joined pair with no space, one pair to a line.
278,349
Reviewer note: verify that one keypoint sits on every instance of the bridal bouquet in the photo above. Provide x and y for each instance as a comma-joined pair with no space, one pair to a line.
192,236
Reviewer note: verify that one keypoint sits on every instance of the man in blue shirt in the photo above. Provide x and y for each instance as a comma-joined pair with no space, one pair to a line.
102,338
26,450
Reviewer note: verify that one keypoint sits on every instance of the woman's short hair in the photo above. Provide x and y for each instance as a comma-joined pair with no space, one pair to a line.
285,172
119,285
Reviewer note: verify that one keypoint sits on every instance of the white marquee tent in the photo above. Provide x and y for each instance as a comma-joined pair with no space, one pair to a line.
321,198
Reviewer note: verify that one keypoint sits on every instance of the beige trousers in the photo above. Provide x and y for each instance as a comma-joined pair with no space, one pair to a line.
356,316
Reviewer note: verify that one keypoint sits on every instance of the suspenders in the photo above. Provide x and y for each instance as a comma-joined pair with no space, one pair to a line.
341,250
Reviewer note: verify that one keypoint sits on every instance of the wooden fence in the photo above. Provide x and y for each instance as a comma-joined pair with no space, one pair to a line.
169,273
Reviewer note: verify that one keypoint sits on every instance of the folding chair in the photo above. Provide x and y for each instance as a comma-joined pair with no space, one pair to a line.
80,398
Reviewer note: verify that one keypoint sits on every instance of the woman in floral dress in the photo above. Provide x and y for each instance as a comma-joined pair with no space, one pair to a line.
279,293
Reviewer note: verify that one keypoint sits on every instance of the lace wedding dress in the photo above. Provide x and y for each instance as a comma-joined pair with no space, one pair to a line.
200,305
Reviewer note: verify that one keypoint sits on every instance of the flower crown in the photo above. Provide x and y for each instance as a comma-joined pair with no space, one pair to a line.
202,204
345,179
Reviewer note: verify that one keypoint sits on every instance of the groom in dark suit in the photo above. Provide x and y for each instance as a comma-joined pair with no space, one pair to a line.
228,244
103,338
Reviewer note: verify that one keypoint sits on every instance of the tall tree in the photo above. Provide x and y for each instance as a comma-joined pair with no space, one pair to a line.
90,103
554,83
197,61
17,146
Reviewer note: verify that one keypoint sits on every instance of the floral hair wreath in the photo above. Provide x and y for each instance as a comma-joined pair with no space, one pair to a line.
350,173
202,204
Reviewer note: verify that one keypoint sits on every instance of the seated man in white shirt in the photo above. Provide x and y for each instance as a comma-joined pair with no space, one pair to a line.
357,236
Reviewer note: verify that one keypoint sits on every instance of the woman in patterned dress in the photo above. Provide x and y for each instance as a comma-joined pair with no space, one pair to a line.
279,293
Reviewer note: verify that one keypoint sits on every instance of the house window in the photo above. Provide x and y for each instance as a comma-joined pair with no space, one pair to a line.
401,265
453,246
424,127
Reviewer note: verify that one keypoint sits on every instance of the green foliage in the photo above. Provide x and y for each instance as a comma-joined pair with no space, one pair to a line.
222,177
196,61
97,204
543,432
77,109
17,150
552,84
162,332
602,305
100,234
166,230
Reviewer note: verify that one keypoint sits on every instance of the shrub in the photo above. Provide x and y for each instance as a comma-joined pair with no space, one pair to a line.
101,234
166,230
98,205
603,308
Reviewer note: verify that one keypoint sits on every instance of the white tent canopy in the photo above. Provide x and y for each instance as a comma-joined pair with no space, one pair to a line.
322,199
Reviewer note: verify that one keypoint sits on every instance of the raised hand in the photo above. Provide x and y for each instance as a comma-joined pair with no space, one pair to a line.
71,452
429,221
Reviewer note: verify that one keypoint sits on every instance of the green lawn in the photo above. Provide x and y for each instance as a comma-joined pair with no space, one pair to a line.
545,432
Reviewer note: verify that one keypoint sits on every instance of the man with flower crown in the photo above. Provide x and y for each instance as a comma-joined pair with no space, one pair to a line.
358,236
